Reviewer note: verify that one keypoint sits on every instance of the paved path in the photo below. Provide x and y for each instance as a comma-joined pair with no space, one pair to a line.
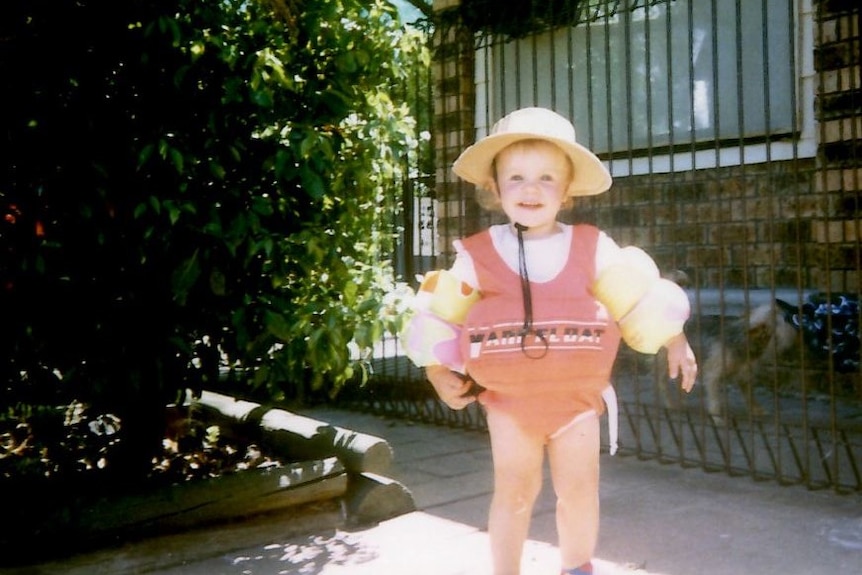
656,519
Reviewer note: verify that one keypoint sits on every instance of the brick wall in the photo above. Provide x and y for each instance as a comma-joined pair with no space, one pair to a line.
792,224
836,232
729,227
454,102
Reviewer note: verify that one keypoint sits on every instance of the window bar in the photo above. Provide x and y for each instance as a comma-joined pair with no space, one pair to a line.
773,435
742,251
823,122
801,460
535,69
721,273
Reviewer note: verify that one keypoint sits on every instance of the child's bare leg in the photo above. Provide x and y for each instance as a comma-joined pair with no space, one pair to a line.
574,461
517,482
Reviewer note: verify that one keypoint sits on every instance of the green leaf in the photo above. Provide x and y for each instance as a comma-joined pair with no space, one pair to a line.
312,183
139,210
277,325
145,154
174,213
217,170
177,159
349,293
184,277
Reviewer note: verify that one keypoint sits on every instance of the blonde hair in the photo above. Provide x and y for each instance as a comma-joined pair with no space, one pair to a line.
489,200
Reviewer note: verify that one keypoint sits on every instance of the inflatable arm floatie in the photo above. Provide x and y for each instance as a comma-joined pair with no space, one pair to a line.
650,310
432,334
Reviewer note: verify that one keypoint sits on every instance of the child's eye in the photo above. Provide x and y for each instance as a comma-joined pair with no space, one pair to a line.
516,178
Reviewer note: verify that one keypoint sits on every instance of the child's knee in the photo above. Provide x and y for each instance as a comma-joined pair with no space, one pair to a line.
578,498
575,488
517,494
515,503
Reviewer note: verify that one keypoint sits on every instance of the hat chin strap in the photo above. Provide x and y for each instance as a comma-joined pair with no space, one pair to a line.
526,294
525,279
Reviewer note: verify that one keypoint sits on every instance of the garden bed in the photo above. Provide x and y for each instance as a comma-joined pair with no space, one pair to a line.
268,461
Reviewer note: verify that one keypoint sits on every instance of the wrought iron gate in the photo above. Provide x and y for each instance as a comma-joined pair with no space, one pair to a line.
732,130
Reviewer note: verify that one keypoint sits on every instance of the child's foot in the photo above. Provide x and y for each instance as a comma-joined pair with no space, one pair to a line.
585,569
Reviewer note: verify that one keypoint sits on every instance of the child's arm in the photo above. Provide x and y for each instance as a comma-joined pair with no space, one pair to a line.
431,337
650,310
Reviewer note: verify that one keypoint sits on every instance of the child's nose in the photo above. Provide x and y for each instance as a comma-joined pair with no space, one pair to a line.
531,186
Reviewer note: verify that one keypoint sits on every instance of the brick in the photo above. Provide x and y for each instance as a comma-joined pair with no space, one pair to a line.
841,129
851,180
845,154
781,276
848,206
836,231
845,256
688,234
842,102
733,233
787,231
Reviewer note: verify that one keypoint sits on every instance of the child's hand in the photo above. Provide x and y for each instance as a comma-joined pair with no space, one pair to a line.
452,389
681,361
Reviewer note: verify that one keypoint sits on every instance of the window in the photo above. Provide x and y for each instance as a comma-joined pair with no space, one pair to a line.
665,83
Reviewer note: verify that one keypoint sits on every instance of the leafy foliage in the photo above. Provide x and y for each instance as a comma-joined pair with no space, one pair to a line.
518,19
191,185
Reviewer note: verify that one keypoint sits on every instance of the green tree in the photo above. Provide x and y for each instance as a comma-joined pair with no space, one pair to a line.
190,185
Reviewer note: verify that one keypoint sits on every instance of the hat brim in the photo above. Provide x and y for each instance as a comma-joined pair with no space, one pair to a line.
475,164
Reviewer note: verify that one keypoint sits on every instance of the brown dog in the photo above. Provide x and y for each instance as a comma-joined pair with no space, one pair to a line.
821,330
736,349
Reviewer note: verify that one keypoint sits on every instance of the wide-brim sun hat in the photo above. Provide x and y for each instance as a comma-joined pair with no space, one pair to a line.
476,163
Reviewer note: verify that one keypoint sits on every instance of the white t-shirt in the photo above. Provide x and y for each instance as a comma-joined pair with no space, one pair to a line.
545,256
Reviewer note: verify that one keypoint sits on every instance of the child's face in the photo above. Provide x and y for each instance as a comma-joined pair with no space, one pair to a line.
532,180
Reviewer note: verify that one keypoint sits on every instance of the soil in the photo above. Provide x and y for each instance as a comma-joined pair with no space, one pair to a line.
191,449
55,470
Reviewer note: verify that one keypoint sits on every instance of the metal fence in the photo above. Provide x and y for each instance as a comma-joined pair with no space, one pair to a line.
710,116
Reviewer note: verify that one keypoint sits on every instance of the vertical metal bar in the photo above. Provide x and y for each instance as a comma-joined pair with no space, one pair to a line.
851,460
770,452
802,460
775,458
608,88
820,117
677,435
823,457
518,102
626,91
696,437
741,250
697,280
720,237
671,105
535,69
588,73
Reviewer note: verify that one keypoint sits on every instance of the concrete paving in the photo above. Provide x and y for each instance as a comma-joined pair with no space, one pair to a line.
656,519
